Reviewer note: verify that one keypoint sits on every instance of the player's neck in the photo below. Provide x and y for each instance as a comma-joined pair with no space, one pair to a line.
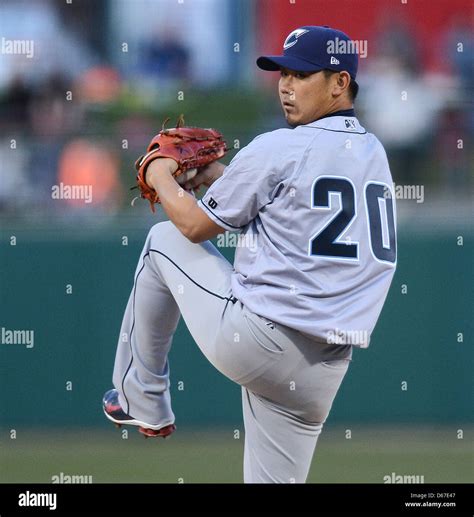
346,111
339,105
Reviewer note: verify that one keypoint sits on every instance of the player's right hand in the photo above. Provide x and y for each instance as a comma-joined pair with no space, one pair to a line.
205,176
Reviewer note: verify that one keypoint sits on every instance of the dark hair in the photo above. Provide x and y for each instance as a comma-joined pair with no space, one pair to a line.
353,89
353,86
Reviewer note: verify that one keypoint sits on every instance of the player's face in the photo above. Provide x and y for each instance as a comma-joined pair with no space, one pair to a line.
304,96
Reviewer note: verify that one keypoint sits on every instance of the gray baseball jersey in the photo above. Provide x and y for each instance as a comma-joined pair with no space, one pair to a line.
317,251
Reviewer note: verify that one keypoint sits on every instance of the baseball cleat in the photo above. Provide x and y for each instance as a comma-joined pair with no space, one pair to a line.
114,412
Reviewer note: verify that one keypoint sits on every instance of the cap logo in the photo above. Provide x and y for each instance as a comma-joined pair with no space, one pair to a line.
292,38
334,61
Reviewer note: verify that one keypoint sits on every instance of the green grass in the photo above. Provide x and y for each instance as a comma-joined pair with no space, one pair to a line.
370,454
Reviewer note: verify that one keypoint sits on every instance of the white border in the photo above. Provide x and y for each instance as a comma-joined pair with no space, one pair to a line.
336,241
390,188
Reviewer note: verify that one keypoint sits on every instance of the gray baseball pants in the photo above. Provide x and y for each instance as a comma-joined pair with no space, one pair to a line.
288,381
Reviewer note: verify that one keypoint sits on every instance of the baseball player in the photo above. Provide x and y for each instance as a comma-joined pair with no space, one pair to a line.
315,204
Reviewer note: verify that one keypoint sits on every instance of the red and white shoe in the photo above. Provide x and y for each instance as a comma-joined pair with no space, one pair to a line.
114,412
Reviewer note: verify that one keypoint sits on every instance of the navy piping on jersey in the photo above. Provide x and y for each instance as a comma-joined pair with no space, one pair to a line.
341,113
339,130
232,299
222,221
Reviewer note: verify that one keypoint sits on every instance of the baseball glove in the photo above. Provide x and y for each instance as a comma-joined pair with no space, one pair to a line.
190,147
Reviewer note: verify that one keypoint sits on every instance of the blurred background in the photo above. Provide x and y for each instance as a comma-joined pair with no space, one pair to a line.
84,84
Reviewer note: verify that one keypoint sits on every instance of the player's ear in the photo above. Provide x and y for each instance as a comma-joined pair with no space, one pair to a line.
341,84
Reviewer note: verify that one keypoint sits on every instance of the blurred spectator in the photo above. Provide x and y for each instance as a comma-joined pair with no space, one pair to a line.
396,42
456,126
52,119
15,103
55,48
88,177
15,188
459,48
53,113
35,112
400,105
453,152
100,84
165,56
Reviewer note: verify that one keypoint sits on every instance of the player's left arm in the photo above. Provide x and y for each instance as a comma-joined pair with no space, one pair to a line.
180,206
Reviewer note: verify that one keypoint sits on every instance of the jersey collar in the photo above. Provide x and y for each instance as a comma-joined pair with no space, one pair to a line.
342,121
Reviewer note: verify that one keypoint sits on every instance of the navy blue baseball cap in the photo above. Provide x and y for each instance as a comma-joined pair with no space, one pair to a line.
313,48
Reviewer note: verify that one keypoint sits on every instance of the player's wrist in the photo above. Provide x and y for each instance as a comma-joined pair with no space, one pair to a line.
160,167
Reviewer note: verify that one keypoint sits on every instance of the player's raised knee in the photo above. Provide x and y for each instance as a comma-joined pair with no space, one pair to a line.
162,228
